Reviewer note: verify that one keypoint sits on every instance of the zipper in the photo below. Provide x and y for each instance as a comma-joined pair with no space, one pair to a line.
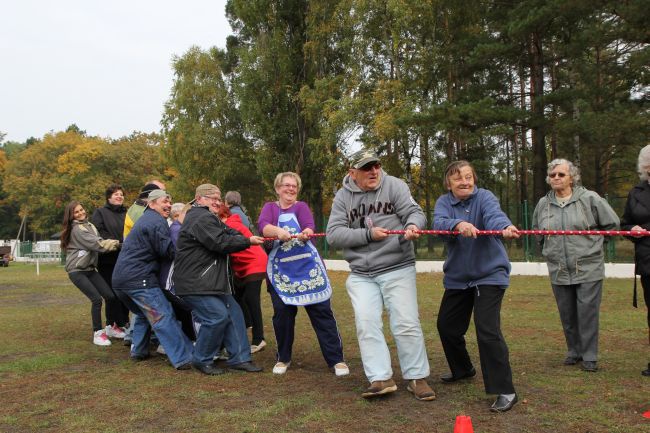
207,269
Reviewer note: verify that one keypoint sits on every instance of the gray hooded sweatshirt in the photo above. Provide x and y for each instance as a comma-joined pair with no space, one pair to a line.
574,259
355,212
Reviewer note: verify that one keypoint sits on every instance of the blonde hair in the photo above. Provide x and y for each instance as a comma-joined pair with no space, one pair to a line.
280,176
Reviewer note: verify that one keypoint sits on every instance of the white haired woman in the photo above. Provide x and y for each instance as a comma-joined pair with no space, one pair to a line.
636,217
576,264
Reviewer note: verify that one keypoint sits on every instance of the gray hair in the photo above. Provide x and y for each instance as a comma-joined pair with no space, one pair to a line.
574,172
233,198
177,208
644,163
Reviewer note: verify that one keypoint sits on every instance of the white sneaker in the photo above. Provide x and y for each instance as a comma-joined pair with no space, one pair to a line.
160,349
281,367
257,347
100,338
114,331
341,369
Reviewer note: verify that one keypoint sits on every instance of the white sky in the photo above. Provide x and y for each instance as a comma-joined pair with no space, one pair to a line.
104,65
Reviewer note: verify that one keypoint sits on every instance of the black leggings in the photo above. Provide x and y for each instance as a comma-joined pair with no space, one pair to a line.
95,288
116,312
247,295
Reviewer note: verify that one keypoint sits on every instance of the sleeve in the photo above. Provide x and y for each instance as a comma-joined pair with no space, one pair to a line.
338,232
98,221
162,241
217,237
535,225
443,214
128,225
627,221
406,208
305,217
606,218
266,217
493,216
90,241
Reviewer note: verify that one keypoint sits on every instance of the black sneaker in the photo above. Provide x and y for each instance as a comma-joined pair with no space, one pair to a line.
208,369
646,372
248,367
590,366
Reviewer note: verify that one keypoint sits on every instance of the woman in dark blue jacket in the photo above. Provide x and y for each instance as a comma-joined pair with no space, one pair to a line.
477,272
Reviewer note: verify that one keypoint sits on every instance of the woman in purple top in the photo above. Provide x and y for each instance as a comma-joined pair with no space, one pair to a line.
296,276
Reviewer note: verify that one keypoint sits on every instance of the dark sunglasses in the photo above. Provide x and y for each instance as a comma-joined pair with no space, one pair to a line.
552,175
370,166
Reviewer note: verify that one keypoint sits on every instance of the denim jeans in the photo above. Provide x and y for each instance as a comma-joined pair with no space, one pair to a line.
397,292
152,310
222,323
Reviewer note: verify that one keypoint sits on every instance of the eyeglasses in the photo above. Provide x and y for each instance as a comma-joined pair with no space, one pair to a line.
289,185
559,174
214,199
370,166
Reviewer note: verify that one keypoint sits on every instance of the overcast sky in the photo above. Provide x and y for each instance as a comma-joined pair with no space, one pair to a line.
104,65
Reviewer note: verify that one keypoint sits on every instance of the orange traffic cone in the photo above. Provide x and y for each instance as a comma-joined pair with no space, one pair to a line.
463,424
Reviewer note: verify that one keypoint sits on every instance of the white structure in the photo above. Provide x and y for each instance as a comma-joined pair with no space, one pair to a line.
612,270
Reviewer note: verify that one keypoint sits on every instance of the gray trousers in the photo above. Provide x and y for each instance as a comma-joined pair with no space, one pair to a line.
579,307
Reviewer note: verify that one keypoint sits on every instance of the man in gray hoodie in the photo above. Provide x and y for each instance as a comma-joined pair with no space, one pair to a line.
370,204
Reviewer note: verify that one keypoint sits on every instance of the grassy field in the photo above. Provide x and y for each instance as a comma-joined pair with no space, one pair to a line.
53,379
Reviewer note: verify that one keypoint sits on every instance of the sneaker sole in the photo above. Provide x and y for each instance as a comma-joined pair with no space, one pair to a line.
428,398
384,391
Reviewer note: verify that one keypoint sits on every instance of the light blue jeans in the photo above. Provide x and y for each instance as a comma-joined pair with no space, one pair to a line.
397,292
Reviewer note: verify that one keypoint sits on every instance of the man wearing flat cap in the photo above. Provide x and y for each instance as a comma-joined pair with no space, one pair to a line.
369,204
201,278
137,284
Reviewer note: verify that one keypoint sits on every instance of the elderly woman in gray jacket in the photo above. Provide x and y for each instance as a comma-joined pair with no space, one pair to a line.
576,264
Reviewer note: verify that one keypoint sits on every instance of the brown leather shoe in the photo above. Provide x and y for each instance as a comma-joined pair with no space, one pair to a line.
380,387
421,390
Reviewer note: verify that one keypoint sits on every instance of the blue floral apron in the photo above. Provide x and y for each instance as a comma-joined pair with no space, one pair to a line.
295,269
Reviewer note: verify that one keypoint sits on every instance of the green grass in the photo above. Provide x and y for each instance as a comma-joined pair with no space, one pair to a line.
53,379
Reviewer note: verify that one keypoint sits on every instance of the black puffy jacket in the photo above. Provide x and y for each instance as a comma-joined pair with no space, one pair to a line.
201,263
637,212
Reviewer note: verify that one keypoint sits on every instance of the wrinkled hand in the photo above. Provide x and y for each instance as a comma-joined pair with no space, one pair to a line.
411,232
510,232
256,240
638,229
378,233
467,230
305,235
284,235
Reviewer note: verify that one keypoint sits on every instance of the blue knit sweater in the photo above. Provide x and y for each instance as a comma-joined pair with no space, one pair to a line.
473,262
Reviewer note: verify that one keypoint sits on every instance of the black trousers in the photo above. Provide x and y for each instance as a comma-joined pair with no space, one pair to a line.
645,283
453,321
95,288
247,295
116,312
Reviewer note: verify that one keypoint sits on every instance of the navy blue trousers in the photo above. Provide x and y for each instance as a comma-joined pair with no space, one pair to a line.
322,320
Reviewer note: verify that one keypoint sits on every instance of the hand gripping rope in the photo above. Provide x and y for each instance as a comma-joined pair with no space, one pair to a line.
521,232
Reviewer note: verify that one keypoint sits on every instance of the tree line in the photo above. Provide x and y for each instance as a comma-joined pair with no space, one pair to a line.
508,85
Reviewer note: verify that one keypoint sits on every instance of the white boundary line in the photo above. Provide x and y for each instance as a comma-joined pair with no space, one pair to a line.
612,270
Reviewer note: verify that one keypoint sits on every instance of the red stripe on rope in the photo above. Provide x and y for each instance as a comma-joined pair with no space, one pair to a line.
521,232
